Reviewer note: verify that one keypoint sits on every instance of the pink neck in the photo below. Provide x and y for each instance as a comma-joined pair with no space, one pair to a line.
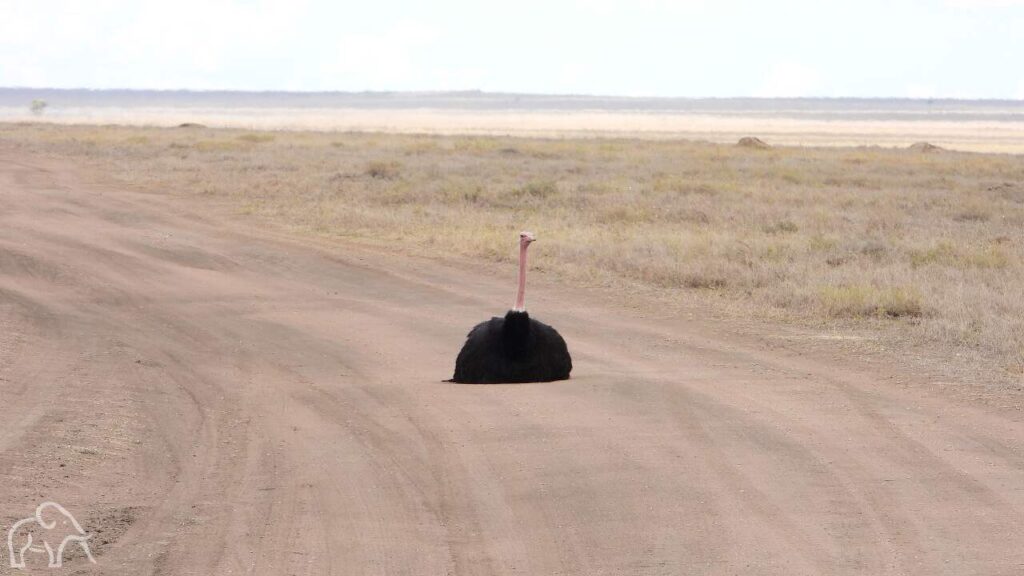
521,295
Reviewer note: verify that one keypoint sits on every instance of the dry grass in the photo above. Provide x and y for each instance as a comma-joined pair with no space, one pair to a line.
927,245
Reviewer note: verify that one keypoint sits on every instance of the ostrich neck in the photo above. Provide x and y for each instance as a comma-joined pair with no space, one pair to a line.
521,294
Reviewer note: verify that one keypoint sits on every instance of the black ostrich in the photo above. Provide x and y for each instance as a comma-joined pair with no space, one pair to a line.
515,348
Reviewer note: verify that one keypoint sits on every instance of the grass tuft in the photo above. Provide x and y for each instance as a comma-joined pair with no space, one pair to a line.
869,301
255,138
782,227
383,170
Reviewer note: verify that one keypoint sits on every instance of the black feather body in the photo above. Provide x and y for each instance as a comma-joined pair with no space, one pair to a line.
512,349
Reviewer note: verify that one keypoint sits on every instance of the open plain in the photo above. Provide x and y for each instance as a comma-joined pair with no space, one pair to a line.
223,360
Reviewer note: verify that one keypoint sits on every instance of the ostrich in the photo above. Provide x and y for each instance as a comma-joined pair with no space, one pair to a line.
515,348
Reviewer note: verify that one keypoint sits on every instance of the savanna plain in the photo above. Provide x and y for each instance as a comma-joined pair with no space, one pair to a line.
223,351
887,250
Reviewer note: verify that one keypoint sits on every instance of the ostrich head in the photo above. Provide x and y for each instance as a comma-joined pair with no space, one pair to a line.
525,238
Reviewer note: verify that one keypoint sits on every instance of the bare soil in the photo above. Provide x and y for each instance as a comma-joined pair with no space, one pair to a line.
212,396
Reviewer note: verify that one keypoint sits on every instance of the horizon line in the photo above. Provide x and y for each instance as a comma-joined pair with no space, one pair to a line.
481,92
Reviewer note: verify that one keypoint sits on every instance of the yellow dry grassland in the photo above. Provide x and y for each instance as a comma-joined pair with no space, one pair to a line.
925,247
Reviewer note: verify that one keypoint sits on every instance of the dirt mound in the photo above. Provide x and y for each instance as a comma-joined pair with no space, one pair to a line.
925,147
752,142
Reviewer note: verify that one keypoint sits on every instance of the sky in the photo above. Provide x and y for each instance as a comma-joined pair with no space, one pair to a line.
688,48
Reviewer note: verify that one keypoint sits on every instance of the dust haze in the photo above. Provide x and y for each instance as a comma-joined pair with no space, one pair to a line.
969,125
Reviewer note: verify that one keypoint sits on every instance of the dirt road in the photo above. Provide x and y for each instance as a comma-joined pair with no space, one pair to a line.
210,398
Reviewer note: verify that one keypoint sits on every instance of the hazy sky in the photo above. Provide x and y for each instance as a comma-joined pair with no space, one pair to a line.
953,48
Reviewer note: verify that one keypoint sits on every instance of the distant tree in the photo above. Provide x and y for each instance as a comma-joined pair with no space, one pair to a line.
38,106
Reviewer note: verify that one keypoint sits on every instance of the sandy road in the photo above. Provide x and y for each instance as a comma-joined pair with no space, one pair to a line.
209,399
